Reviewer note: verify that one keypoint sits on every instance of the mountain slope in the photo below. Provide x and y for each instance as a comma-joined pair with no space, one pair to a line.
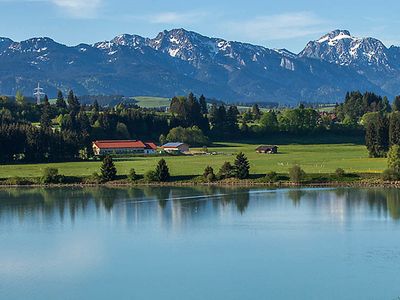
367,56
179,61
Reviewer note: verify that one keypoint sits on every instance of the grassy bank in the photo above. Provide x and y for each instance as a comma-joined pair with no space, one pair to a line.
313,158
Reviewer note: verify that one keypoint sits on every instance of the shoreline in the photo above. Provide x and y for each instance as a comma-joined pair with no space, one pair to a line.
236,183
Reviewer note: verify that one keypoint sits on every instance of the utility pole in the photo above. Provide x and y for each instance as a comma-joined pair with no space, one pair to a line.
38,93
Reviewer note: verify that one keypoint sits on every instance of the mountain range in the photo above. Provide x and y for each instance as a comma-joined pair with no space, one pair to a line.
178,61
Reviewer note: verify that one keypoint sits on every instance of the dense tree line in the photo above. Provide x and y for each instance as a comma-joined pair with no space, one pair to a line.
63,129
382,130
189,111
25,142
28,133
357,105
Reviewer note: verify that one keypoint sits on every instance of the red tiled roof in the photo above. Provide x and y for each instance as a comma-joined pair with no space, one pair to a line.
119,144
151,146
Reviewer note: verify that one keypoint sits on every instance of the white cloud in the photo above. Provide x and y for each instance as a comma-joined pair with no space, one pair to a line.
176,18
79,8
278,27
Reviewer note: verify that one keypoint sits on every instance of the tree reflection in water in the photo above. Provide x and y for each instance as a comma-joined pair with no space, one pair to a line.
184,202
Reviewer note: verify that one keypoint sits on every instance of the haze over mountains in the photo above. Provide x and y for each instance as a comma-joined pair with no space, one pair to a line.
178,61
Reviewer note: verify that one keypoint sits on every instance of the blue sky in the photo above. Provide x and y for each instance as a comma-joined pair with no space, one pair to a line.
271,23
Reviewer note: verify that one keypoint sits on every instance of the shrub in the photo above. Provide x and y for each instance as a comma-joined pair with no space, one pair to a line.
162,171
340,173
108,170
50,175
226,171
271,176
209,174
94,178
208,170
150,176
296,174
242,166
390,175
132,176
16,181
211,177
83,154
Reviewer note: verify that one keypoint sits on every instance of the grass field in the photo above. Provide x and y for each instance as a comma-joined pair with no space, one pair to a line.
152,102
313,158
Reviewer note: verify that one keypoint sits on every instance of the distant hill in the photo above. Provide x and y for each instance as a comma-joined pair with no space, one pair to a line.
176,62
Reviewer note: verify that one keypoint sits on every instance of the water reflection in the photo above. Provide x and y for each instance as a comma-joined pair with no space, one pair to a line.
180,205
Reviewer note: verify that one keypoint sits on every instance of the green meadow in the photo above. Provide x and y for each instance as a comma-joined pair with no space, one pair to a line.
152,102
313,158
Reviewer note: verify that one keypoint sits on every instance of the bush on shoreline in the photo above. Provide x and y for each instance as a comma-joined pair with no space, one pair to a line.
272,177
296,174
390,175
132,176
340,173
150,176
51,176
226,171
209,174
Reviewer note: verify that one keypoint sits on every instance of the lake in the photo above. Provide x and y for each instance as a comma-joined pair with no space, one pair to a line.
199,243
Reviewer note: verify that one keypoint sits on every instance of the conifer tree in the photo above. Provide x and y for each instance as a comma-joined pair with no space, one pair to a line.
256,112
242,166
96,107
396,104
385,105
394,128
60,102
370,137
231,120
108,170
162,171
45,118
226,171
209,173
214,118
73,103
377,135
203,105
383,134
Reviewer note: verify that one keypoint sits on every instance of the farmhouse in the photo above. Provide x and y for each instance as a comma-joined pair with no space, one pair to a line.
176,147
267,149
123,147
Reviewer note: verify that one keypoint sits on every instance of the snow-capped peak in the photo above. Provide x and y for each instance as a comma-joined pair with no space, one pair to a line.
128,40
333,37
340,47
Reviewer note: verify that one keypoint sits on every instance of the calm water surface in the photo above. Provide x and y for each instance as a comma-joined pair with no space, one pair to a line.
199,243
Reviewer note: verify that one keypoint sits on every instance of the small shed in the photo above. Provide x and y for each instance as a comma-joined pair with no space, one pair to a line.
267,149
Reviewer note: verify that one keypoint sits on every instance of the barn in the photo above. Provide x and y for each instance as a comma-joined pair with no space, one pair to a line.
176,147
267,149
105,147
